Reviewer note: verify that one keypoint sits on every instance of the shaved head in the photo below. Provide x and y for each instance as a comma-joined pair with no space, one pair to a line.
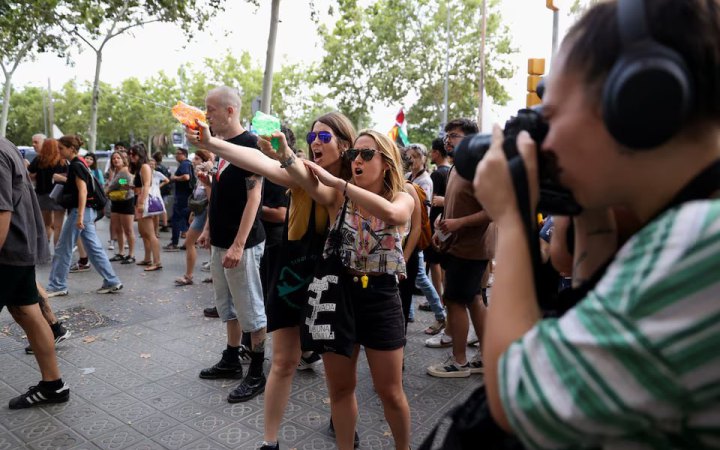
222,106
226,96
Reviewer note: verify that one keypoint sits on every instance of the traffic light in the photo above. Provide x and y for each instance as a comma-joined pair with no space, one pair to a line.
536,68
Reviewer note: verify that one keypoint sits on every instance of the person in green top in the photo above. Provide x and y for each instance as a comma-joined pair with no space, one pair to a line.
632,102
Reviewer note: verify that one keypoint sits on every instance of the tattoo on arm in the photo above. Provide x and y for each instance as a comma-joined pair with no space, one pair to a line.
252,182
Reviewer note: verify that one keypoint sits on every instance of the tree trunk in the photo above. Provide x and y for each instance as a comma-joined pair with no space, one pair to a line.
6,103
268,77
94,103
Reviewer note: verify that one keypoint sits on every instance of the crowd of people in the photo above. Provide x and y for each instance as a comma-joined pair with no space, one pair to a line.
625,355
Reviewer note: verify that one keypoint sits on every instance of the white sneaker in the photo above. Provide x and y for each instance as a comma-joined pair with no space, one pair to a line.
51,294
449,369
110,289
472,340
440,340
205,267
111,245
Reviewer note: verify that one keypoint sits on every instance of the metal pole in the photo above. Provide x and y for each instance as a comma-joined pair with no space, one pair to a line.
267,79
51,113
481,90
447,65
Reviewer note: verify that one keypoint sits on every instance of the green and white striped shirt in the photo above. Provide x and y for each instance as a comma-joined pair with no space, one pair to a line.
636,364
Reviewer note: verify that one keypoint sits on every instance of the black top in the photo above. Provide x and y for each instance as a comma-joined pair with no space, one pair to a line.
43,176
164,190
183,188
77,169
228,200
439,178
274,196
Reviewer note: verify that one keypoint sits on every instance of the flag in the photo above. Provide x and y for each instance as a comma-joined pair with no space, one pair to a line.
398,133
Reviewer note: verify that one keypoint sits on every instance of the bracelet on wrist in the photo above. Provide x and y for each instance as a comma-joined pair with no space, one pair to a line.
288,162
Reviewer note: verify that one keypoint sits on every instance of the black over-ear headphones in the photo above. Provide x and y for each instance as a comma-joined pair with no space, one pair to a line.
649,93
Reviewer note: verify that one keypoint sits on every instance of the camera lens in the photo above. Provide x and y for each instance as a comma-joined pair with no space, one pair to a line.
469,152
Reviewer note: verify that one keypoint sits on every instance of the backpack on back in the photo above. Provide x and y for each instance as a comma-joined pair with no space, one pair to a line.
425,231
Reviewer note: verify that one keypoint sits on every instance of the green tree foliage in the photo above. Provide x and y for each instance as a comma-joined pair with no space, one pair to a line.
95,22
26,28
25,118
393,49
140,110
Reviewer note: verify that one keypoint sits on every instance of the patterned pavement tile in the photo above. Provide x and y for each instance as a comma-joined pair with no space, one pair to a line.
88,420
177,437
119,438
235,436
154,424
9,442
33,431
64,439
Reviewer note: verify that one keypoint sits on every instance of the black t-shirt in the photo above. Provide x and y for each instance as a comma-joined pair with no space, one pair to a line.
165,190
439,178
77,169
183,188
43,176
228,200
274,196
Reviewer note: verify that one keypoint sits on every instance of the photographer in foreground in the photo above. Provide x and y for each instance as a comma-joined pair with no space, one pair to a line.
635,363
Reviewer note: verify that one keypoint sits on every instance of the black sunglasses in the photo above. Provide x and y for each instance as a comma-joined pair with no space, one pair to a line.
324,136
365,153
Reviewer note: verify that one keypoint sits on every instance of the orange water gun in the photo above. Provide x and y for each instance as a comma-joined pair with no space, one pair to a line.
187,114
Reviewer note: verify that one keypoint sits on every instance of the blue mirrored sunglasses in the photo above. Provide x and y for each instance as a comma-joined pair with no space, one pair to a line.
324,136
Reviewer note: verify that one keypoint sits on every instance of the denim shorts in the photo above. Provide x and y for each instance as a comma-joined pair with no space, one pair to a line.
198,222
238,291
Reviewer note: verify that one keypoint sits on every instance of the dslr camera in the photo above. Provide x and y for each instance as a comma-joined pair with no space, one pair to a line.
554,198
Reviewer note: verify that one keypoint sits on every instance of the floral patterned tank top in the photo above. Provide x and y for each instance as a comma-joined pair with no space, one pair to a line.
368,245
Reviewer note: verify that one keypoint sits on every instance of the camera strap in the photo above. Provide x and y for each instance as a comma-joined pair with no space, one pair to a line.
520,184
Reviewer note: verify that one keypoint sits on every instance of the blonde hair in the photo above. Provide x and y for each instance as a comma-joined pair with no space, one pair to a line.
393,181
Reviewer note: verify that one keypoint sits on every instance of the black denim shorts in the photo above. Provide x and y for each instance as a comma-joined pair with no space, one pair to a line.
379,322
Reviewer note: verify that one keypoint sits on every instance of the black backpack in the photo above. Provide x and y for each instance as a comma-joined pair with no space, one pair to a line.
96,197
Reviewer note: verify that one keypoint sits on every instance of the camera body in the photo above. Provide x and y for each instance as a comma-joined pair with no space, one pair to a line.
554,198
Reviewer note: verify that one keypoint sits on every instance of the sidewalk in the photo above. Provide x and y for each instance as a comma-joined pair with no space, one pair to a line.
132,364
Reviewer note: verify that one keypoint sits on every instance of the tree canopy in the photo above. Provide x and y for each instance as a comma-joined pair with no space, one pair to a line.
390,50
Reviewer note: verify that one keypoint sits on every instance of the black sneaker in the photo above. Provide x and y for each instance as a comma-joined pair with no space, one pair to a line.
267,446
310,362
250,388
211,312
60,333
35,396
331,430
244,354
223,369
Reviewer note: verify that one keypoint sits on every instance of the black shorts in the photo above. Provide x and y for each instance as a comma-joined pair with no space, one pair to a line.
379,321
432,256
18,286
123,207
463,279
